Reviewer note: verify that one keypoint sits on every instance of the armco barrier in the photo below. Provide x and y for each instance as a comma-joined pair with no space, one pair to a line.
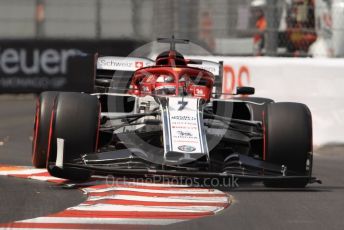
33,66
319,83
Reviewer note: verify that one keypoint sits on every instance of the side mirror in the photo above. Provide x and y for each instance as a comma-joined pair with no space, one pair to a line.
195,61
245,90
103,82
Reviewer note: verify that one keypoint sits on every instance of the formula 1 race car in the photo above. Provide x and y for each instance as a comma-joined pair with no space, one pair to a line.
168,117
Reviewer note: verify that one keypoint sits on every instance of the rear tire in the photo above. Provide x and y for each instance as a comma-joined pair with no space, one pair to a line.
44,107
76,120
288,139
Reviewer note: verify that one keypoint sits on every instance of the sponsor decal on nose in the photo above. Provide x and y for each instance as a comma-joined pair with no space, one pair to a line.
186,148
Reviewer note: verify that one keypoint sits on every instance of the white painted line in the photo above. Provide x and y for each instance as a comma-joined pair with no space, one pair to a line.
162,199
113,181
95,220
167,191
169,185
23,172
46,178
140,208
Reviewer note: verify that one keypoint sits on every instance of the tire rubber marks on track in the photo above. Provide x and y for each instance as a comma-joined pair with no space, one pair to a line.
124,204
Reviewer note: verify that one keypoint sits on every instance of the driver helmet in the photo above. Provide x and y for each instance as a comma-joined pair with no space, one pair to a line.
165,89
165,79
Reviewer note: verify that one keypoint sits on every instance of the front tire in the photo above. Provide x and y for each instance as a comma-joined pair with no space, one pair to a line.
44,107
288,139
76,119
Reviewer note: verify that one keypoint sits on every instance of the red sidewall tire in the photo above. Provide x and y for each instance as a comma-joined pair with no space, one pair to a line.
44,106
76,119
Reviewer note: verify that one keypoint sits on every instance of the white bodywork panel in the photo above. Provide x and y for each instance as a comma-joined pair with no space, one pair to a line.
123,63
183,126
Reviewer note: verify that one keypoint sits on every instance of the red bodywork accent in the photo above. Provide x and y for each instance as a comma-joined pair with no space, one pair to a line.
183,80
192,81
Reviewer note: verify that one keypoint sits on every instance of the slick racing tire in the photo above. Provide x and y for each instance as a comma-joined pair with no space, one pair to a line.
76,120
288,139
44,107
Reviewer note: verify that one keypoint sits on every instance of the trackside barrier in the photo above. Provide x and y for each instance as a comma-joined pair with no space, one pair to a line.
318,83
33,66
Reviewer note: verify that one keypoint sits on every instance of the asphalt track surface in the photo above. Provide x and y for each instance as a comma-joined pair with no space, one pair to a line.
253,207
